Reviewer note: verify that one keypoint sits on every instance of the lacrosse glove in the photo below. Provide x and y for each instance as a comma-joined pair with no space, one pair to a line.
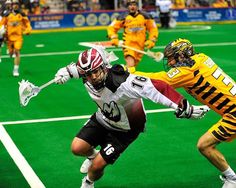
62,76
149,44
185,110
66,73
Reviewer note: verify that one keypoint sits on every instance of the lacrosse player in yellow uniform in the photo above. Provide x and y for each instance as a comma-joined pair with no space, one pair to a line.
16,23
204,80
136,24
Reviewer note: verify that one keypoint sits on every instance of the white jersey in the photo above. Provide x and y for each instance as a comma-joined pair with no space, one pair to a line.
120,105
164,5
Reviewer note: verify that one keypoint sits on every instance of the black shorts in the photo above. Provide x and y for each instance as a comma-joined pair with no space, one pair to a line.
112,143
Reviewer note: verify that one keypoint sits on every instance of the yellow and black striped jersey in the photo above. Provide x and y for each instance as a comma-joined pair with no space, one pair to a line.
135,27
205,81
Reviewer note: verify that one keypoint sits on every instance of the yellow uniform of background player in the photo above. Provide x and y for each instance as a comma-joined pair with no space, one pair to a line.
204,80
136,25
16,23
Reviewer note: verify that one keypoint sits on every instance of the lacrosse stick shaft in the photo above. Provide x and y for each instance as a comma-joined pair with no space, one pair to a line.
48,83
134,49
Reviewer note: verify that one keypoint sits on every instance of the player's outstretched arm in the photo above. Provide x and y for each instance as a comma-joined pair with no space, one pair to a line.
66,73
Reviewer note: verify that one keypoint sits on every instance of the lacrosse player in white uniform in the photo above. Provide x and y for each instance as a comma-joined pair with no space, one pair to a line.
120,117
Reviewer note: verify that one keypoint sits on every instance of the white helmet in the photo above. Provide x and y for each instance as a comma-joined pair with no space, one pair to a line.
91,61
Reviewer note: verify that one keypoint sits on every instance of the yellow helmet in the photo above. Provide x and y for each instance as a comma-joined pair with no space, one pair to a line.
15,1
132,1
177,47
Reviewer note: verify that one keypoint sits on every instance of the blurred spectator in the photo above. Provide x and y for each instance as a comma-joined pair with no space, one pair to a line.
220,4
147,4
35,8
191,4
178,4
106,5
45,9
76,5
203,3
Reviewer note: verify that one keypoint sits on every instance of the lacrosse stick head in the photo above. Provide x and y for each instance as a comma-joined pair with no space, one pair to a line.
157,56
27,90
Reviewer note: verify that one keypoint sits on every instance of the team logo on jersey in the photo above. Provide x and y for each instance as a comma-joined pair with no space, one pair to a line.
111,111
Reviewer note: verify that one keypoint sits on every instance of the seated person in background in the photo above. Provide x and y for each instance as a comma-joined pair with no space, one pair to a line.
220,4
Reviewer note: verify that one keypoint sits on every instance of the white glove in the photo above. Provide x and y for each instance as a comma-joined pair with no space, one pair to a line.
185,110
66,73
199,111
62,76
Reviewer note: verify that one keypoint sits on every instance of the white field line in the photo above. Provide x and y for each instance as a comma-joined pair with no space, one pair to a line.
118,49
71,118
74,117
18,158
30,176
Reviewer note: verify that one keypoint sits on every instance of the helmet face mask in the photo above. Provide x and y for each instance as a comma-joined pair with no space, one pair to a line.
179,50
132,6
92,67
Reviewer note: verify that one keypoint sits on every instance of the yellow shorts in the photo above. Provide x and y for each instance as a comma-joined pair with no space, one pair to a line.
137,56
225,129
17,45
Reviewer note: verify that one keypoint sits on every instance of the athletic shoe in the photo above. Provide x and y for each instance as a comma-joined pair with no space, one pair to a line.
15,73
86,183
227,182
86,164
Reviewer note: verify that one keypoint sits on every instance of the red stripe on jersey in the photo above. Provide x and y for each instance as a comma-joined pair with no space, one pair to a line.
168,91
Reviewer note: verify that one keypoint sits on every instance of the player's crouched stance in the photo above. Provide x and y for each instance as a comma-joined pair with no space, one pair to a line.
120,117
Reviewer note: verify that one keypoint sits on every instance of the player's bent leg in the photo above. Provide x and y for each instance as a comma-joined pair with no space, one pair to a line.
207,146
81,147
95,172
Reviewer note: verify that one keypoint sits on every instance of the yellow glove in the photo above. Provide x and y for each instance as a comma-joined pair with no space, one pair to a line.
115,41
149,44
27,31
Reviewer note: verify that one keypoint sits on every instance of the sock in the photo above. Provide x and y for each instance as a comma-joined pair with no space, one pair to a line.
16,67
88,180
230,174
92,156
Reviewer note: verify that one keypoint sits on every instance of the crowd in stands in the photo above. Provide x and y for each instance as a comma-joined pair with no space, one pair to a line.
53,6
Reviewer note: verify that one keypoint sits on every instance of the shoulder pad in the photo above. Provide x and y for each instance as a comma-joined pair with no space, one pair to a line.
116,76
146,15
19,11
118,69
122,16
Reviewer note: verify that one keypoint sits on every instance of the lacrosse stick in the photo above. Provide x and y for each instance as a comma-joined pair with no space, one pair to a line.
27,90
157,56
